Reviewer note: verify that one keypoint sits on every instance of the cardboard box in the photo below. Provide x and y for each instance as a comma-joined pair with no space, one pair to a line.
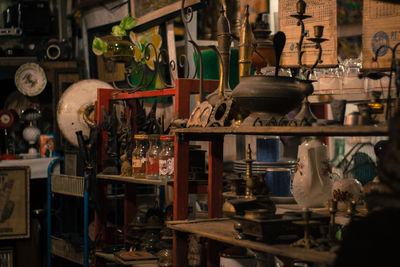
46,145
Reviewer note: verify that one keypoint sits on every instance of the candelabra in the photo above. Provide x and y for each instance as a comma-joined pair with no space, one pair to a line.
305,116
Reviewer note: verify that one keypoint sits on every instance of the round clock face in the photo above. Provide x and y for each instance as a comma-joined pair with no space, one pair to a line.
6,118
30,79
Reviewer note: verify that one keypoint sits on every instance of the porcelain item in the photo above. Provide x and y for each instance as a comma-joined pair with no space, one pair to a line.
312,182
346,189
30,79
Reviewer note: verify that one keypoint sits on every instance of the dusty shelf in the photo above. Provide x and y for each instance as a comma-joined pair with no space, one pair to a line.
363,130
222,230
131,179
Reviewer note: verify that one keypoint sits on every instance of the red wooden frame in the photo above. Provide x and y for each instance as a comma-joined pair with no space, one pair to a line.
182,91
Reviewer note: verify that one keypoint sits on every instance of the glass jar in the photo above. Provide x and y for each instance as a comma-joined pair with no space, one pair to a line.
165,258
152,167
166,158
139,156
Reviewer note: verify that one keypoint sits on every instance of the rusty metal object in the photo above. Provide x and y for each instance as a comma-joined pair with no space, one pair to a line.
268,96
200,115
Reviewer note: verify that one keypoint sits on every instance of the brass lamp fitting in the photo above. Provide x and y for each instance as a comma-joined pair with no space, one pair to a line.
250,183
245,46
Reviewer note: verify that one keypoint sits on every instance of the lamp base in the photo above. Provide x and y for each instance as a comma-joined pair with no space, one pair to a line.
305,117
264,119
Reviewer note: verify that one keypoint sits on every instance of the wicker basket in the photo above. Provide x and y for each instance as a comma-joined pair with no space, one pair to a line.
67,185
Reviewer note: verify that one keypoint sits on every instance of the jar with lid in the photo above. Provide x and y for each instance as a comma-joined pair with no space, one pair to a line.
166,158
139,156
152,167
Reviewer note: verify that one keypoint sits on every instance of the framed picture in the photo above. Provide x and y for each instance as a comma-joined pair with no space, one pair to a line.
150,13
73,163
14,202
63,79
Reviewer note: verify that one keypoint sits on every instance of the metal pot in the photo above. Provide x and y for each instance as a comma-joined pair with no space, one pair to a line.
274,95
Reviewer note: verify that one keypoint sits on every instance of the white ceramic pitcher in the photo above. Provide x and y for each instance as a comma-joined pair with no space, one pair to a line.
312,182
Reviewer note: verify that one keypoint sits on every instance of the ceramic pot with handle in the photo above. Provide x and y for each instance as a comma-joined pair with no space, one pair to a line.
312,182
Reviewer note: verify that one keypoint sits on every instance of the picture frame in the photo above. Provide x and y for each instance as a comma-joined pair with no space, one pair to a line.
14,202
63,79
73,163
151,13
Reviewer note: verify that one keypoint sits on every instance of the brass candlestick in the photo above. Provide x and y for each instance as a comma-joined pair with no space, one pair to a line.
307,241
332,224
250,183
351,209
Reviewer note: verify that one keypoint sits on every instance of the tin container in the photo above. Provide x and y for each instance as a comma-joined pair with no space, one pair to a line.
278,181
268,149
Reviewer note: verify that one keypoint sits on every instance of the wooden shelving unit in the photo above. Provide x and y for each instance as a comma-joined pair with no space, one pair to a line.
364,130
181,91
130,179
221,230
215,137
218,231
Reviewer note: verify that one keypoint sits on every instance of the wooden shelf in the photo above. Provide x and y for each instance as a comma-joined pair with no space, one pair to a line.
350,97
222,230
133,180
191,87
110,257
208,133
17,61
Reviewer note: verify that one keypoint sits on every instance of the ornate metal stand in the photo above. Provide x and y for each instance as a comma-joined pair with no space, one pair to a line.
305,116
394,68
307,241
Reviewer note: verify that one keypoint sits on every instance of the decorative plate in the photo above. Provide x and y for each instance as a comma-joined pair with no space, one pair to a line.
75,109
6,118
30,79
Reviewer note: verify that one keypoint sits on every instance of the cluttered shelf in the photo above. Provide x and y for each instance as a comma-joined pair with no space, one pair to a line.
131,179
350,97
140,258
222,230
362,130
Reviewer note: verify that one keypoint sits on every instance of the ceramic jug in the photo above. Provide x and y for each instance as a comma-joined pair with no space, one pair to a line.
312,182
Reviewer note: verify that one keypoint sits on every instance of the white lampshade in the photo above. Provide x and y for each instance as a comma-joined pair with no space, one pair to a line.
31,134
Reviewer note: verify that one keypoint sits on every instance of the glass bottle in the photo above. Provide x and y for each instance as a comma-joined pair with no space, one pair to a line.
166,158
139,156
152,167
